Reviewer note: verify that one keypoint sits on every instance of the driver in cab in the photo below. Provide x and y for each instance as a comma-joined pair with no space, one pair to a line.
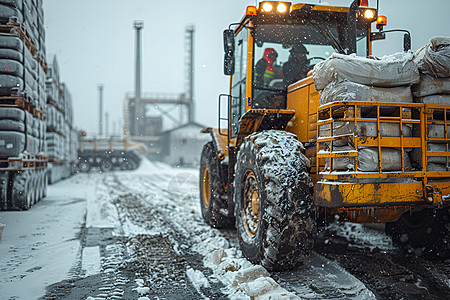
265,69
297,66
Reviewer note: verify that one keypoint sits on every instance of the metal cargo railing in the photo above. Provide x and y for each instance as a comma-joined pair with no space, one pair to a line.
429,125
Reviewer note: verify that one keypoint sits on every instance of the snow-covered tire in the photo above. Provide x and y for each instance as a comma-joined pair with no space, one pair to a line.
84,165
35,186
424,230
40,174
270,165
106,165
21,191
213,196
44,192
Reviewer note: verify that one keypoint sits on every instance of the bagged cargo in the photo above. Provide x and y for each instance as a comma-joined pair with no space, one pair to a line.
391,160
350,91
12,113
363,129
434,58
415,154
436,131
441,99
433,167
11,125
368,160
430,85
12,143
13,3
389,71
7,12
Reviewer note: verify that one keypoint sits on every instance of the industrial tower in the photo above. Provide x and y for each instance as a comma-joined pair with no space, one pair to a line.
168,110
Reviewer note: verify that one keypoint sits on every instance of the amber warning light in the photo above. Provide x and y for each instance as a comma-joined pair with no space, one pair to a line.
364,3
251,11
381,22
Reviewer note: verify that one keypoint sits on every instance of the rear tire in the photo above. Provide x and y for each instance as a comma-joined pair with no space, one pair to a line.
106,165
273,202
424,230
21,191
213,196
84,165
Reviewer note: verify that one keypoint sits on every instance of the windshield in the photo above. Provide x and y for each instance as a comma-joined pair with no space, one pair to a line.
285,54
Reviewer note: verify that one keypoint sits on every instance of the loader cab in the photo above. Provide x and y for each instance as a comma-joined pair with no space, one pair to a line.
321,30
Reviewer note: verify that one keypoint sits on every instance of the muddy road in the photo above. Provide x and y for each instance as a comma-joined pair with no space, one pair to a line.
141,234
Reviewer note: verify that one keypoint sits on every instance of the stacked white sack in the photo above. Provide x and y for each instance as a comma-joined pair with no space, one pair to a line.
433,61
389,71
352,78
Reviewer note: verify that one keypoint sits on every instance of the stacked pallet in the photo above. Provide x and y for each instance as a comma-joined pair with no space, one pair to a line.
62,139
22,102
433,61
351,78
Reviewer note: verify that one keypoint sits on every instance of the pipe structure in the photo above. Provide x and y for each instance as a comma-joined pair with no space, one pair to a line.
139,111
100,113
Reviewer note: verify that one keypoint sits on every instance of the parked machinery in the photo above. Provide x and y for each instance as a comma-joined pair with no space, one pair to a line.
107,154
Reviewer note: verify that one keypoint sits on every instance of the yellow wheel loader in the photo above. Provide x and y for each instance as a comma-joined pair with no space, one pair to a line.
269,172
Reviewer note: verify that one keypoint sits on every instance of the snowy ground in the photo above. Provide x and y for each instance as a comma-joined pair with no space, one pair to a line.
126,235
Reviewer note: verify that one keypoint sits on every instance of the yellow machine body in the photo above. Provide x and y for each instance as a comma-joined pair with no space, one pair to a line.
381,196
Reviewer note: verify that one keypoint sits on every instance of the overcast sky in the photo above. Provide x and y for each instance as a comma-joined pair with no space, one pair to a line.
94,44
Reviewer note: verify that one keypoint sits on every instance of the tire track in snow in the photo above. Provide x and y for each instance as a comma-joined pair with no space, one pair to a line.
169,204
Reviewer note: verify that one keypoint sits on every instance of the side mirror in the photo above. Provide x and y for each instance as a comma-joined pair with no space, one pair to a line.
228,46
228,40
406,42
228,64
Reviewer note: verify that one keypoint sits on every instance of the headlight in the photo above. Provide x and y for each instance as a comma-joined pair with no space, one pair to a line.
267,7
369,14
281,8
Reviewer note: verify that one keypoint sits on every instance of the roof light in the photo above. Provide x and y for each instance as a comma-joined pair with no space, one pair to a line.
364,3
382,20
281,8
251,11
369,14
267,7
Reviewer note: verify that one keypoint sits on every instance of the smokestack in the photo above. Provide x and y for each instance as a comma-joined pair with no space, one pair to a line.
100,113
139,115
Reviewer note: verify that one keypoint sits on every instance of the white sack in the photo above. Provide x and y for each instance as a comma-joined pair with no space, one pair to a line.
368,160
393,70
363,129
341,163
391,160
415,154
434,58
433,167
350,91
436,131
441,99
430,85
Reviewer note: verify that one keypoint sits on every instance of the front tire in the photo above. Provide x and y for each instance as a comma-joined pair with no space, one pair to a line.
212,190
273,202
